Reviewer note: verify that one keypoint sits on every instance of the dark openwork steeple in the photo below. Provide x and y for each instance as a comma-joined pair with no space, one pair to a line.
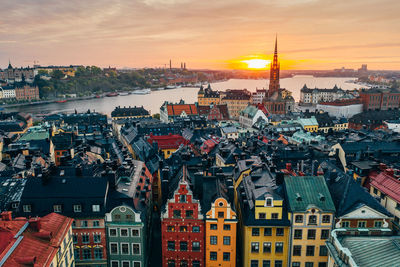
274,72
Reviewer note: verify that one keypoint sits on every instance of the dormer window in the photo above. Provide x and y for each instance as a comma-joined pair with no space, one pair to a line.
269,202
182,198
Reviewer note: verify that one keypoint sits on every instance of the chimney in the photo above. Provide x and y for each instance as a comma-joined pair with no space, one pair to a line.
35,224
28,260
6,215
289,166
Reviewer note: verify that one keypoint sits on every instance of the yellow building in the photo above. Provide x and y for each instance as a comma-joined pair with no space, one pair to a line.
220,239
309,124
264,227
311,213
236,100
206,97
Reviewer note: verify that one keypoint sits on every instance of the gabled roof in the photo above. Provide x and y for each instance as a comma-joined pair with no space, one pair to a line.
387,184
305,192
177,109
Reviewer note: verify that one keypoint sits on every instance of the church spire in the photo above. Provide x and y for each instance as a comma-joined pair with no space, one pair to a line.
274,71
276,45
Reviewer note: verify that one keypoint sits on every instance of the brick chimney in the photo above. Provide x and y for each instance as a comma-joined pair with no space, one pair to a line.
6,215
35,224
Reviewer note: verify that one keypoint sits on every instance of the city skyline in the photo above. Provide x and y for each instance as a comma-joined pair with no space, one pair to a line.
313,34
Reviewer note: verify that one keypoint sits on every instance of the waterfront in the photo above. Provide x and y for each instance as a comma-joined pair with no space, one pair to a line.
153,101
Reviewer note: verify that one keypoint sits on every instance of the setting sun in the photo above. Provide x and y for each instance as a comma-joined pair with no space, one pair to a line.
257,63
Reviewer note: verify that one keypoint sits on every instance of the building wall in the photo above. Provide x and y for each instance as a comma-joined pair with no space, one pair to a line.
341,111
235,106
217,226
389,203
65,253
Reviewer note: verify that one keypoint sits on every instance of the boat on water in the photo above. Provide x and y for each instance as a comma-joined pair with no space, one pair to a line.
112,94
142,92
160,88
124,93
170,87
61,101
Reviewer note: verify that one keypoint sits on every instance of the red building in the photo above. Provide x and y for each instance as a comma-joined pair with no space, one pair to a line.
27,92
376,99
214,112
167,143
182,228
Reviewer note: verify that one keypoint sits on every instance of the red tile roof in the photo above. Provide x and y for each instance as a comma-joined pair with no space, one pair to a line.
176,109
33,247
387,184
171,141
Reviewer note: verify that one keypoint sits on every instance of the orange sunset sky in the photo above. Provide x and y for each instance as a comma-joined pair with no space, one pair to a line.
214,34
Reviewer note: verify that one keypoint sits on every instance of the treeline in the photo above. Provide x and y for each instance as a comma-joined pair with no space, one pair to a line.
87,81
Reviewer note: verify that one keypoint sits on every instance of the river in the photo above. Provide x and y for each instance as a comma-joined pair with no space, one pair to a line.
153,101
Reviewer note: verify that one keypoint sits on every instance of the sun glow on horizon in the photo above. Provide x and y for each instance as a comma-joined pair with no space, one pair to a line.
257,64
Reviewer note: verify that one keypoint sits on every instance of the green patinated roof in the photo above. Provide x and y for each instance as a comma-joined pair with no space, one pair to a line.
250,110
35,135
312,190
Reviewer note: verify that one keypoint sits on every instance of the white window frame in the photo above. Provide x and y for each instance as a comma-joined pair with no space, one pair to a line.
120,232
114,262
124,243
111,243
140,249
27,208
137,229
266,201
122,263
76,209
57,208
133,263
96,208
116,232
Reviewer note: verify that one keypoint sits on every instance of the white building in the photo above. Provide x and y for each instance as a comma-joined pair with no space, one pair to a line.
342,109
393,125
7,92
314,96
258,96
250,115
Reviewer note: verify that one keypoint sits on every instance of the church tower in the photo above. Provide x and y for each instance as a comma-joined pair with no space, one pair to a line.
274,72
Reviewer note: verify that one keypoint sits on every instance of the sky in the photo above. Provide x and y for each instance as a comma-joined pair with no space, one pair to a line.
213,34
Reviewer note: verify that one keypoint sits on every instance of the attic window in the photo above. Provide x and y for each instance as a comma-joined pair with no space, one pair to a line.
269,202
298,197
321,197
182,198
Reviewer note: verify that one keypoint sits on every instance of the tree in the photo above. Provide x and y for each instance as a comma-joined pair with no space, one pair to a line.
57,74
156,116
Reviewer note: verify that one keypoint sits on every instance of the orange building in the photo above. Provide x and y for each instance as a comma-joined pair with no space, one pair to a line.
220,240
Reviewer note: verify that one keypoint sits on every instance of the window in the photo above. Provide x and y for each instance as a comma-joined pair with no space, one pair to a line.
321,264
309,264
213,255
213,240
268,202
346,224
267,231
74,239
113,232
87,254
84,223
97,238
170,228
324,234
183,246
196,229
195,246
177,214
189,214
114,263
280,231
267,247
98,253
195,263
85,238
182,198
125,248
254,263
378,224
226,256
27,208
125,264
77,208
227,227
171,245
323,251
255,231
310,251
221,214
296,264
136,249
171,263
298,218
274,216
266,263
278,247
255,247
296,250
96,208
96,223
298,234
278,263
123,232
326,218
136,264
76,254
311,234
183,263
135,232
361,224
213,226
57,208
312,219
183,229
114,248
